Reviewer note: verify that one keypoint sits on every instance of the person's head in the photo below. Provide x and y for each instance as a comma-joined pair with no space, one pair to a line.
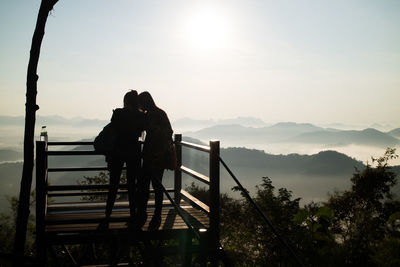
146,102
131,99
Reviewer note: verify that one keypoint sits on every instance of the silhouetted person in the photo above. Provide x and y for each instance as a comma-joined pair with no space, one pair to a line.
128,122
156,145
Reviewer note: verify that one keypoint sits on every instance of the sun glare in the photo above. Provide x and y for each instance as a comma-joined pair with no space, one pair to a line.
207,29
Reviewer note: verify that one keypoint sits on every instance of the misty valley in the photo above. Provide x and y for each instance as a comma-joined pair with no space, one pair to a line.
309,160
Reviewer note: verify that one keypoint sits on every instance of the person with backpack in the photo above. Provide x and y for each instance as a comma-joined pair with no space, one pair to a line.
127,125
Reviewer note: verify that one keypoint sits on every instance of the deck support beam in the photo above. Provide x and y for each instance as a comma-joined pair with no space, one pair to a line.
214,199
178,172
41,200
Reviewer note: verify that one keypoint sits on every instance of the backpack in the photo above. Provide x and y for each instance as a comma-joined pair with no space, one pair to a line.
105,142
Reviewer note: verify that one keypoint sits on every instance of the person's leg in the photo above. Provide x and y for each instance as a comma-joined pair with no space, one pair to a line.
115,167
157,175
142,196
132,173
158,191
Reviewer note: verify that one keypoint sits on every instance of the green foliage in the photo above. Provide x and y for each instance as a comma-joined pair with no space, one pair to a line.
394,222
246,238
387,252
8,224
362,214
200,193
318,245
102,179
357,227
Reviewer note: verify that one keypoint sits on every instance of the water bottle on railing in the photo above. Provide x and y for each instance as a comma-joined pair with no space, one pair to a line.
43,134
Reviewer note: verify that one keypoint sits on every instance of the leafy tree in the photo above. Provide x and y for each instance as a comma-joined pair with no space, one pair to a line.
244,236
362,213
280,209
318,245
386,252
357,227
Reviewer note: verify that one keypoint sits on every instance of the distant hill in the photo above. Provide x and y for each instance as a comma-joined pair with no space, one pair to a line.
293,127
244,121
188,123
370,137
395,133
290,132
10,155
235,132
52,120
324,163
221,132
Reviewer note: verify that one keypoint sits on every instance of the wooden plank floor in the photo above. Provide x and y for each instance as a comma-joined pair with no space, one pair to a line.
85,217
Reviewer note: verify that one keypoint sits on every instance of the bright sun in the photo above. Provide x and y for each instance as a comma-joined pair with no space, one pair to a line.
207,29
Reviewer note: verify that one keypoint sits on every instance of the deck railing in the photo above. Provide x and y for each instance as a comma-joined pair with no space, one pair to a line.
212,181
44,190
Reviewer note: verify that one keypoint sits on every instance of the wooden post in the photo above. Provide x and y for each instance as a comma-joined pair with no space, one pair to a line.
214,196
178,172
41,201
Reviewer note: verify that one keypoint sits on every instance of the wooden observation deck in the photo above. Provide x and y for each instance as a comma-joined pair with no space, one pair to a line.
192,225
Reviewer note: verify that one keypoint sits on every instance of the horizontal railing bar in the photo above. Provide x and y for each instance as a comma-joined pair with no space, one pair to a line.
66,206
77,169
194,201
195,146
80,187
197,175
75,194
74,143
73,153
96,219
52,188
71,193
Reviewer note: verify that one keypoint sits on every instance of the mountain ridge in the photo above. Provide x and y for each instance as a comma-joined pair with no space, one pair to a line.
309,176
395,133
367,136
290,132
53,120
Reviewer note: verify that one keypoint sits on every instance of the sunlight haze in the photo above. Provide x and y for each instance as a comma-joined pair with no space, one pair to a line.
303,61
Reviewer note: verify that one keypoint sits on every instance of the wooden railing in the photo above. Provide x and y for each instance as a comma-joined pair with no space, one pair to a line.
44,190
212,181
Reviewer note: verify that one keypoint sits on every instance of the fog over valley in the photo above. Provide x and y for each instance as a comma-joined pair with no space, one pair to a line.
308,159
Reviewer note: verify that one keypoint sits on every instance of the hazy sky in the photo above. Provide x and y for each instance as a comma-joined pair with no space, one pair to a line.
296,60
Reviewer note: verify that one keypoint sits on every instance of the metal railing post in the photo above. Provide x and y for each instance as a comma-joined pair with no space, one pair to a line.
214,194
41,199
178,172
